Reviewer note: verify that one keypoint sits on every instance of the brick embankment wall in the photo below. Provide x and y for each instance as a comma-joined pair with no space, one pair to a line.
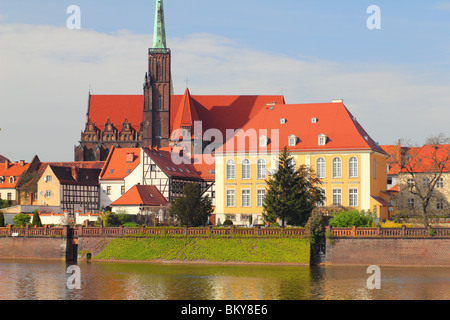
388,252
92,245
35,248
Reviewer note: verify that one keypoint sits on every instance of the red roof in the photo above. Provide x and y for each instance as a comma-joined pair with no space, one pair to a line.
8,170
305,122
120,163
116,108
163,159
422,159
219,112
137,195
185,116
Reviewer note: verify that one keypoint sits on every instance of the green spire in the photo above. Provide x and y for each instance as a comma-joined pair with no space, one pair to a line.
159,34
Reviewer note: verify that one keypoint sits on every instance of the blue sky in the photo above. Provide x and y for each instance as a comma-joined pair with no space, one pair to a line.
394,80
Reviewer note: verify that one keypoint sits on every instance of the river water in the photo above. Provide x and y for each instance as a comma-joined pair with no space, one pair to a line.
38,280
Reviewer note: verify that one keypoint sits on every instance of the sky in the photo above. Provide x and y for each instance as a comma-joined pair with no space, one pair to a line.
395,80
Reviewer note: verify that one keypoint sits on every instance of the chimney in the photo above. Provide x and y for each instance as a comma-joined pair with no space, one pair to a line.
22,163
7,164
75,173
130,157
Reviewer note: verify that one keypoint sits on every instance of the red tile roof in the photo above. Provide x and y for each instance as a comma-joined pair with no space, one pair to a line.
421,158
215,111
138,194
334,120
186,115
8,170
118,164
163,159
116,108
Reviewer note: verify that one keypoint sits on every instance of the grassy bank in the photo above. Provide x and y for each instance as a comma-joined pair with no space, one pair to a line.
257,250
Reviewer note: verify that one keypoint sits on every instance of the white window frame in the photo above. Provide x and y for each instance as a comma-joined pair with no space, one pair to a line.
246,198
261,169
231,169
230,198
260,196
440,183
337,195
337,167
245,169
353,167
321,168
353,197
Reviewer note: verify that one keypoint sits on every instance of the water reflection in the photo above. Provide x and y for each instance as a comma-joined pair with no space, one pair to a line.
33,280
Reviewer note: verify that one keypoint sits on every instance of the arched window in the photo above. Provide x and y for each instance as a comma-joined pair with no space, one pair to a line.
292,164
353,167
11,179
160,107
245,169
231,170
261,169
158,129
321,168
337,168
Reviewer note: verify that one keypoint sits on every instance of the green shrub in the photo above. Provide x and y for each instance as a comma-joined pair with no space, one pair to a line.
228,223
351,218
130,225
21,219
36,219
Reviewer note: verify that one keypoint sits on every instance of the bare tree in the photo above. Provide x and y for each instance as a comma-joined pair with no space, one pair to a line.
421,173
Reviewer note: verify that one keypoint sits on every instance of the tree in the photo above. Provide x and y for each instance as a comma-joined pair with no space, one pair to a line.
421,171
2,220
292,193
36,222
21,219
192,209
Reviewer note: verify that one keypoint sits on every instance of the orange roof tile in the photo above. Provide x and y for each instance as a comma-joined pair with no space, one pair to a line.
215,111
118,164
138,194
116,108
8,170
333,120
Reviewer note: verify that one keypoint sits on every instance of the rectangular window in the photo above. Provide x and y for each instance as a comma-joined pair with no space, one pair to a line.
122,189
231,198
48,194
9,196
353,197
425,183
246,198
411,203
108,190
337,197
410,183
440,205
440,183
261,194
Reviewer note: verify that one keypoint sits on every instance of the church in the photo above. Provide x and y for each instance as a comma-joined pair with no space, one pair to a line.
159,118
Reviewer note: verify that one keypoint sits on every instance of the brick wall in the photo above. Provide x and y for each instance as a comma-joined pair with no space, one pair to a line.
395,252
33,248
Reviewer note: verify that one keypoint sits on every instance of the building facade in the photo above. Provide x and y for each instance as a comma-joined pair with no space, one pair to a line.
324,137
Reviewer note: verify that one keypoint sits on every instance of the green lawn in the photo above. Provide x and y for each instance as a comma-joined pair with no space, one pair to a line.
269,250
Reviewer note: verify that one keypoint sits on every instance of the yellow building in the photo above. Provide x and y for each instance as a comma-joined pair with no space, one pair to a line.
325,137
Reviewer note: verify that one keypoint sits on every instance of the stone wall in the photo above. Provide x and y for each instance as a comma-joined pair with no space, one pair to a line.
33,248
388,252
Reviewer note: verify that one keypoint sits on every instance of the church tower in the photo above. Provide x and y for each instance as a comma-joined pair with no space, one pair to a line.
157,87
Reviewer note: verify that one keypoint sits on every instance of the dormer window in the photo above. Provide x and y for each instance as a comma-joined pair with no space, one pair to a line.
263,141
322,139
292,140
11,179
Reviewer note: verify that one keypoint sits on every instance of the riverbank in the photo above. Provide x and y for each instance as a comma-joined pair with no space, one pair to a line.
287,251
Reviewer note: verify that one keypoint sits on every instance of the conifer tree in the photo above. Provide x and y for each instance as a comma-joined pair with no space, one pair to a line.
36,219
191,210
292,192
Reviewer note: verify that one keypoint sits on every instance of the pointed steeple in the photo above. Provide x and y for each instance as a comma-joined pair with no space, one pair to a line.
159,33
185,117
